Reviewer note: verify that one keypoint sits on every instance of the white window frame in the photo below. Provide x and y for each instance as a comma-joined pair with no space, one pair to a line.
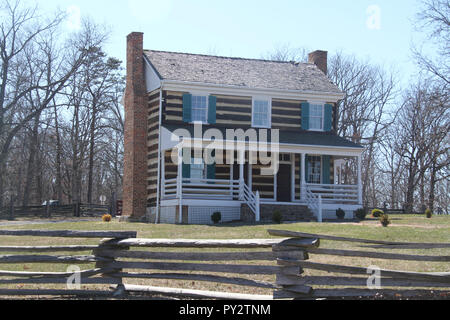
269,101
320,169
317,103
204,171
200,94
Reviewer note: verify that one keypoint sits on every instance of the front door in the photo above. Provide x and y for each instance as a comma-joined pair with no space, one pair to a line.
284,183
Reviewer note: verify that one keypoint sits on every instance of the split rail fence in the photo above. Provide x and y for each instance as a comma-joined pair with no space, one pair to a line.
71,210
282,263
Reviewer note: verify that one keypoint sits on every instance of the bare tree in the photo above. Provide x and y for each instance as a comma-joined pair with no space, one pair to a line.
32,64
434,19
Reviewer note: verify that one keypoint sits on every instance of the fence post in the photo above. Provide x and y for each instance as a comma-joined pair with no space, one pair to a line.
77,209
47,209
11,211
289,280
108,272
320,209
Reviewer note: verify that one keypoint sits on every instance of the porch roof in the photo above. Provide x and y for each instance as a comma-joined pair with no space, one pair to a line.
289,137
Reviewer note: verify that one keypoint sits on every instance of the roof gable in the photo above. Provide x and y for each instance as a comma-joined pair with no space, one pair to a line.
239,72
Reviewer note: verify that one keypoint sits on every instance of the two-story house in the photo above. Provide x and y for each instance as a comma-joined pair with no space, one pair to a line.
243,137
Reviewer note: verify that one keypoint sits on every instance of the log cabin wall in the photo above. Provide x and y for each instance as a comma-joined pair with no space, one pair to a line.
153,147
236,111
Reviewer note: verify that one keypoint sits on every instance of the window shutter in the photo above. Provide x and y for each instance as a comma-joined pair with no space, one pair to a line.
186,166
306,168
187,107
211,174
305,116
212,110
328,117
211,168
326,170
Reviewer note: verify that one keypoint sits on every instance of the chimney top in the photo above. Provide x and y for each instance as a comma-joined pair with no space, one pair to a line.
320,59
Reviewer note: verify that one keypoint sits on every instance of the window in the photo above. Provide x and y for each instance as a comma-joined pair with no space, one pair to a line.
316,117
198,169
200,109
261,115
314,169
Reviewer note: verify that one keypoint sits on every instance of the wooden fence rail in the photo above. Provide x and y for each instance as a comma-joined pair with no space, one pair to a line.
275,266
71,210
351,281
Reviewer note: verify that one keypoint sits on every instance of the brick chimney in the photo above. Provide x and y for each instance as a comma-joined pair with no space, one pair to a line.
320,59
135,157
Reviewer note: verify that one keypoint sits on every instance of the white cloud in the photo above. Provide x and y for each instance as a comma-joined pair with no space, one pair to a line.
74,18
150,10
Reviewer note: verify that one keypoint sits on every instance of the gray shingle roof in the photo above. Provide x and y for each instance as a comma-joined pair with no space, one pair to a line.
295,137
248,73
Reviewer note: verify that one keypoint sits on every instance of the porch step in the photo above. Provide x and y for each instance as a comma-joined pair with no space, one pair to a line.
291,213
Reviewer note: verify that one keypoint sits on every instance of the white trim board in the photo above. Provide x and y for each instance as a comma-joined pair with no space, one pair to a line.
152,80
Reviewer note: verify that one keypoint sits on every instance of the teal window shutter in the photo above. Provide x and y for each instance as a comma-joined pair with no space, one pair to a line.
186,166
212,110
187,107
211,174
305,116
186,170
328,117
306,168
211,169
326,170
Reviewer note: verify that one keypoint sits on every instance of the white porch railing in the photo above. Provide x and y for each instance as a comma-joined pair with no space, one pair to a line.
252,200
335,193
201,189
212,189
314,202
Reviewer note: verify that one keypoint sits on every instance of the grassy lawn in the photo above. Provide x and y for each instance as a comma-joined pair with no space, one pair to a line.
404,228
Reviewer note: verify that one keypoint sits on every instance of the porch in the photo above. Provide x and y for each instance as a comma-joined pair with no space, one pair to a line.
319,186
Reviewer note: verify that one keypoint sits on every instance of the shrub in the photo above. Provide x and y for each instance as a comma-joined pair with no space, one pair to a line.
429,213
361,214
106,218
384,220
377,213
340,214
216,217
277,217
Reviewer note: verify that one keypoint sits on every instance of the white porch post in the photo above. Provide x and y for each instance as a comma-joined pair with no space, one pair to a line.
303,177
360,187
163,175
241,174
250,175
293,177
232,181
180,184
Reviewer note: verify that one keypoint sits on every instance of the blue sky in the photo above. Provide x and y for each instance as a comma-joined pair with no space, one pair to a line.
379,30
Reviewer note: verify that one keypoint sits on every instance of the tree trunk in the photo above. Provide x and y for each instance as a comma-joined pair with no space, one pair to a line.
58,159
432,188
91,155
31,162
